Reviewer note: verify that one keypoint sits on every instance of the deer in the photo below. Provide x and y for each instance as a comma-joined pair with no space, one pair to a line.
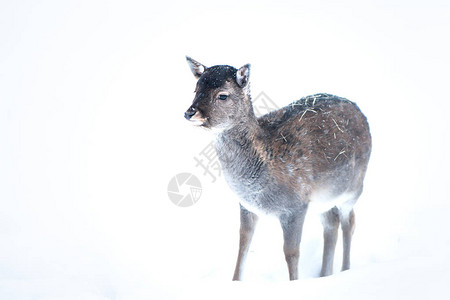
313,151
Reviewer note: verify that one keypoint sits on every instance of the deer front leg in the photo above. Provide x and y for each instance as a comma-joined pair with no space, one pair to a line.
292,226
330,221
348,227
248,223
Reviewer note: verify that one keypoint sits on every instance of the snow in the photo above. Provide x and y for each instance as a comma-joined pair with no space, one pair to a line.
92,97
385,280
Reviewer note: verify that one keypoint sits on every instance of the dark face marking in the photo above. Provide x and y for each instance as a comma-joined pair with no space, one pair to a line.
218,97
216,76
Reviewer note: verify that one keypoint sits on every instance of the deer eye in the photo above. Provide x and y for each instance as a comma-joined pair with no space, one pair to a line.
223,97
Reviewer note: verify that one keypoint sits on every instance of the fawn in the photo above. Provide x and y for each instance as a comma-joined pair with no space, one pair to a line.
314,150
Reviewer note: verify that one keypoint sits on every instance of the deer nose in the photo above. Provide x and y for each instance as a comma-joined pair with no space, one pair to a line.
189,113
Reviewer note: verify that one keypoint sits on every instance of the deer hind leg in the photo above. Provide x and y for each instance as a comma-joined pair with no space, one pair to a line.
292,226
330,222
348,227
248,224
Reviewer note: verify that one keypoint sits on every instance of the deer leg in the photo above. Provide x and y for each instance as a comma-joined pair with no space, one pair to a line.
292,226
330,221
348,227
248,223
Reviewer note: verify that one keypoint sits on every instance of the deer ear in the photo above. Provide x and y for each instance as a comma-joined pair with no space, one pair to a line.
196,67
242,75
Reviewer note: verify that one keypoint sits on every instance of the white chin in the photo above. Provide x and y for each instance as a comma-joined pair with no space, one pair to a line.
197,122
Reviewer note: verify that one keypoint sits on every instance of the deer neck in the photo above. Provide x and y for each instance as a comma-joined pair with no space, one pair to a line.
243,134
238,146
242,160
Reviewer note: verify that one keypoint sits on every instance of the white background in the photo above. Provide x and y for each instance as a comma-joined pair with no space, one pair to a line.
92,96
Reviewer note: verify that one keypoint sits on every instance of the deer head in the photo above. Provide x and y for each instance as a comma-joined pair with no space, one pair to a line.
222,97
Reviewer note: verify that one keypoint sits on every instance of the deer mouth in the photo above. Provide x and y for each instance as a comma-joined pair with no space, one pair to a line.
195,117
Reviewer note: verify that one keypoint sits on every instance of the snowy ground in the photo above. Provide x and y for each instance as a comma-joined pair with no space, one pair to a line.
92,96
